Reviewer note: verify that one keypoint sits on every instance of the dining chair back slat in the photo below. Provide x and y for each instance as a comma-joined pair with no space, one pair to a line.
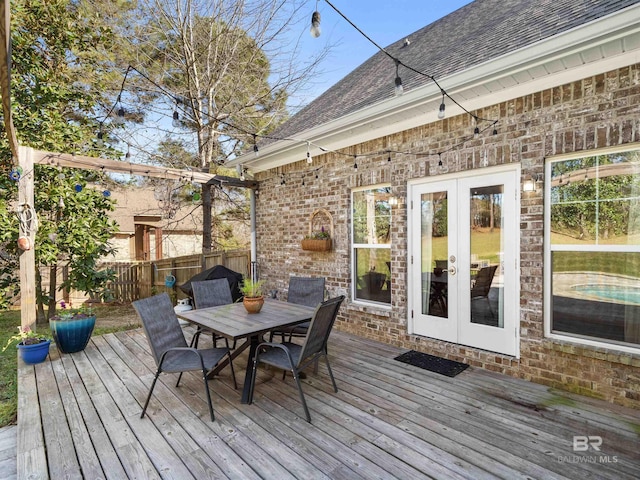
319,329
307,291
211,293
160,324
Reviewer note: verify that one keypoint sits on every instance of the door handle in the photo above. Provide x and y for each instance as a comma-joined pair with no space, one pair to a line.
452,270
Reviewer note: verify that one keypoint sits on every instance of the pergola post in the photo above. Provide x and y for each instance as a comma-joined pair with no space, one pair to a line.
28,226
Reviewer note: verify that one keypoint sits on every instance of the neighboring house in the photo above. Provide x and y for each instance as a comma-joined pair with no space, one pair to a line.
517,252
151,227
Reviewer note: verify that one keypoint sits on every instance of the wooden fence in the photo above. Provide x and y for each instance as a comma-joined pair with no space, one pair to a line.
137,280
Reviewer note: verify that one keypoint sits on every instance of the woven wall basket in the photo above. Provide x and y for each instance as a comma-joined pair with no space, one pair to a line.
319,218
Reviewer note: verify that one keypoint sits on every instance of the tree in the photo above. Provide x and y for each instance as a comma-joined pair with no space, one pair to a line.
229,74
61,78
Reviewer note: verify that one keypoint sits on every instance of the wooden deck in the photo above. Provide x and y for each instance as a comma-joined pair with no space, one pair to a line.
79,417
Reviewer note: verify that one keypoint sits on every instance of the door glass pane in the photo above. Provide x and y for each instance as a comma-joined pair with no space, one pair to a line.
434,253
487,241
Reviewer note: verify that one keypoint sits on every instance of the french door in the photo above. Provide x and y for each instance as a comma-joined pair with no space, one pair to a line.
463,252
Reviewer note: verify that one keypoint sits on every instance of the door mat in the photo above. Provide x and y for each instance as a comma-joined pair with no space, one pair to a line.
431,363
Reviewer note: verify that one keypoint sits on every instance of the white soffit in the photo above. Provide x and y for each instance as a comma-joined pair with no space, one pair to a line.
603,45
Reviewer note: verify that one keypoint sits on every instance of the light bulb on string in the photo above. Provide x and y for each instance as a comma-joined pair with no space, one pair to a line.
315,24
355,163
309,158
100,139
119,119
442,107
399,89
176,116
476,130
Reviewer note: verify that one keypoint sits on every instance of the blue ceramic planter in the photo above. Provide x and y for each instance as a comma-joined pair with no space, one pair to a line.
36,353
72,335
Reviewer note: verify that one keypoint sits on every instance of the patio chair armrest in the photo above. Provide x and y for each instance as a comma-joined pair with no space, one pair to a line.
275,345
178,349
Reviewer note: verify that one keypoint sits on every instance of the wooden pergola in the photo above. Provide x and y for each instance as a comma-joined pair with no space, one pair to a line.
26,158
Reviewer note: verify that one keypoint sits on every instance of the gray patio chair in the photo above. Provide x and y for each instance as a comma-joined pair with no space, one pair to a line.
210,293
169,347
482,284
293,357
307,291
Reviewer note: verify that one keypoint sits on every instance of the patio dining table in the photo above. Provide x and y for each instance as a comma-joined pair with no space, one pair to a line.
233,322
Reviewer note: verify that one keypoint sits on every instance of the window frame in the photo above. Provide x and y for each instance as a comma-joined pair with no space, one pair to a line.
355,246
596,247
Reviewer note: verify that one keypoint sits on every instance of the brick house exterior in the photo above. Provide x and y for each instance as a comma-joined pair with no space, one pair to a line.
592,106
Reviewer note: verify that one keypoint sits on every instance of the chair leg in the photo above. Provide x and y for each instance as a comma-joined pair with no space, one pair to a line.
302,400
333,380
179,378
195,338
146,404
206,388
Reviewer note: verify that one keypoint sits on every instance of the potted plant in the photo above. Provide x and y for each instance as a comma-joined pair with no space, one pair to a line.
253,295
72,328
33,347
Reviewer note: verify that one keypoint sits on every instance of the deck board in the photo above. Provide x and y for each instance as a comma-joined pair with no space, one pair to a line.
388,420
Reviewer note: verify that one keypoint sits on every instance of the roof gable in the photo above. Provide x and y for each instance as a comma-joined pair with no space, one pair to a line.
476,33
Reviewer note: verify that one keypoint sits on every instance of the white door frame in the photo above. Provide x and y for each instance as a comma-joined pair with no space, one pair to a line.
455,328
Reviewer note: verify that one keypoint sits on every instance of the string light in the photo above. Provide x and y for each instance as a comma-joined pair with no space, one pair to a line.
176,116
399,90
120,114
442,107
100,140
398,82
355,163
315,23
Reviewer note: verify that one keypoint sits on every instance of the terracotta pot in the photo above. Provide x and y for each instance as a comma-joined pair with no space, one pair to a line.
253,304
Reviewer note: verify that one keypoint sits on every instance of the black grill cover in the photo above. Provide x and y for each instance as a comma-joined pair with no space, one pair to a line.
219,271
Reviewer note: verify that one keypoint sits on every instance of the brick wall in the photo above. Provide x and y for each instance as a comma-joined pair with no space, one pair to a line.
599,111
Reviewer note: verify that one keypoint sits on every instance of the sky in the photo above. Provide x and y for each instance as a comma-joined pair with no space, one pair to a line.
383,21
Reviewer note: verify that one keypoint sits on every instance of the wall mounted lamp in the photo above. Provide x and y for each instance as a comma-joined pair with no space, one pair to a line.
531,183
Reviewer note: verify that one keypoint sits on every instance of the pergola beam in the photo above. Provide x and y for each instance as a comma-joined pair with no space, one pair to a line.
85,162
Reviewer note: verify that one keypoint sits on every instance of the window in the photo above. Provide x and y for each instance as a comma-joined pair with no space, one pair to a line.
593,248
371,247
